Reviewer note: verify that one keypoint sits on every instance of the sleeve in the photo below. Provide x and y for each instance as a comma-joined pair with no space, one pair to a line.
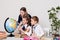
19,19
28,33
39,31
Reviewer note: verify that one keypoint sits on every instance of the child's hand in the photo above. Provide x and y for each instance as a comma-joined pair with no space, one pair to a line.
20,24
33,34
19,28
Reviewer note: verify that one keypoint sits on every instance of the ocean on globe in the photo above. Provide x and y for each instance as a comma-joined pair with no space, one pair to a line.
10,25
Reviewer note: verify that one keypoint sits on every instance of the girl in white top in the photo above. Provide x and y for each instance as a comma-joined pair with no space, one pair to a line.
37,31
24,27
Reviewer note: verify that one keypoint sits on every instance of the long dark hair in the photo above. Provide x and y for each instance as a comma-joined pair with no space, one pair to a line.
23,9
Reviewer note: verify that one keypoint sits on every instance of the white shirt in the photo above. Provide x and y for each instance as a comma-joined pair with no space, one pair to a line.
38,30
28,33
25,26
29,27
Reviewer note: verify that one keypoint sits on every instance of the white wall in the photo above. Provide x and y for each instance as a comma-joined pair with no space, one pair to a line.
10,8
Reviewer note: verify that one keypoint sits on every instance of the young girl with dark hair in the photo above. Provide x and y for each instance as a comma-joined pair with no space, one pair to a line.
24,27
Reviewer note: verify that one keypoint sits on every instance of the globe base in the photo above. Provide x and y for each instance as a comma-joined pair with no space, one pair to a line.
11,35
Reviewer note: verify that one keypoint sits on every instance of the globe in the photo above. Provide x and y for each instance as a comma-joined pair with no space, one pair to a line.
10,25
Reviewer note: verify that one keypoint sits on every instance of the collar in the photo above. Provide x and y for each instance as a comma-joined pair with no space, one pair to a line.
35,25
25,25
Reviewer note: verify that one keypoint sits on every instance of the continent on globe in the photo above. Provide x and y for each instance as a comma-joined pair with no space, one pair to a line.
10,25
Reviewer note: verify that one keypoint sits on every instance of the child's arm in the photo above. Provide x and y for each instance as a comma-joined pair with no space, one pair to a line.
38,32
34,34
20,26
27,29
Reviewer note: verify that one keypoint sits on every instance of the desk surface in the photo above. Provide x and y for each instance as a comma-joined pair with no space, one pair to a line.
17,37
12,38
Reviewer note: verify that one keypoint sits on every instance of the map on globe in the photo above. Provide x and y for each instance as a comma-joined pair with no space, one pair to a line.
10,25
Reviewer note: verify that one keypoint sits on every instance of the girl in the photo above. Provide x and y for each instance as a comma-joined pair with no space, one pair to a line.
24,26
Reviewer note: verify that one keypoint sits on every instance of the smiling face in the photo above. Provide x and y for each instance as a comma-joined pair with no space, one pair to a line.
24,21
33,22
22,13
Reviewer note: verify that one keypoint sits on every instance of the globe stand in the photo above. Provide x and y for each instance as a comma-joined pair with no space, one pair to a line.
11,35
5,26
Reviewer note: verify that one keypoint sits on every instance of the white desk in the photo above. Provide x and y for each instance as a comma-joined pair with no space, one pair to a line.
12,38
